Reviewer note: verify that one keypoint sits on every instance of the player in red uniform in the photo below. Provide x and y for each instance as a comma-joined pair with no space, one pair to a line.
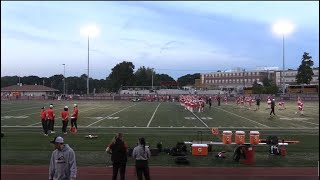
74,116
65,119
44,121
281,104
51,116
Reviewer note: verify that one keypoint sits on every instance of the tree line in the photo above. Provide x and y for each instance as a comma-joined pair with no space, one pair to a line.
123,74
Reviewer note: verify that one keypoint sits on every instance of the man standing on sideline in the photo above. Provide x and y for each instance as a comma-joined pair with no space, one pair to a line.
118,150
141,154
210,103
258,103
65,119
62,162
51,115
219,99
74,116
44,121
273,104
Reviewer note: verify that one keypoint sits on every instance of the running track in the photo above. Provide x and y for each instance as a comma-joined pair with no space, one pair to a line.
13,172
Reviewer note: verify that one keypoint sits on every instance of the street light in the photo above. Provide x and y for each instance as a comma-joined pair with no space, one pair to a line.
64,79
283,28
89,31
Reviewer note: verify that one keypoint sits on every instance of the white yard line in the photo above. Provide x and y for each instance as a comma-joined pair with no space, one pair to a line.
35,123
20,109
300,120
200,120
242,117
110,115
153,115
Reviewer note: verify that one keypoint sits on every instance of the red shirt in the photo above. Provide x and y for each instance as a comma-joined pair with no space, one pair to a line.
75,112
50,114
43,115
64,115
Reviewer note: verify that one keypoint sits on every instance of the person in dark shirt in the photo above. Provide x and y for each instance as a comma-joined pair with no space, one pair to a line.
118,150
273,104
210,103
258,103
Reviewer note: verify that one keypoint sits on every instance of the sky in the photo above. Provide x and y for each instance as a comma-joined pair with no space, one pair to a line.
174,38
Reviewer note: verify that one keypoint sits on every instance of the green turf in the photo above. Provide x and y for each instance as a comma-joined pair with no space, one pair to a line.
168,123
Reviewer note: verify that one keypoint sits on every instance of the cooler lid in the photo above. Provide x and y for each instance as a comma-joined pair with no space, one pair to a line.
227,132
240,132
254,132
199,145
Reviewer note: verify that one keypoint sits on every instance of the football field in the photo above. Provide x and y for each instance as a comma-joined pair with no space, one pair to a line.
167,122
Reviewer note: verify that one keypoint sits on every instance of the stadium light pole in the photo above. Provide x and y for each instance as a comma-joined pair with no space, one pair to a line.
89,31
283,28
152,78
64,79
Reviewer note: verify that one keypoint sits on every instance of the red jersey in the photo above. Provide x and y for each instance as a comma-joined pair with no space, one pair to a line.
64,115
43,115
75,113
50,113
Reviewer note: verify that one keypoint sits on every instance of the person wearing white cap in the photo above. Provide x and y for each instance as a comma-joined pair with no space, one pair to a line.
63,161
74,116
65,119
51,116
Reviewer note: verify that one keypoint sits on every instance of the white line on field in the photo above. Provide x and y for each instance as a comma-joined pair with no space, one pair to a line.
110,115
35,123
153,115
242,117
200,120
300,120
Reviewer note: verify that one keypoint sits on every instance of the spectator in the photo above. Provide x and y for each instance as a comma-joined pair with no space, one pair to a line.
118,150
63,161
141,154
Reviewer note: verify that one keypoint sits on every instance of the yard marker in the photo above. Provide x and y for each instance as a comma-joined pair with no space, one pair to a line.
110,115
200,120
153,115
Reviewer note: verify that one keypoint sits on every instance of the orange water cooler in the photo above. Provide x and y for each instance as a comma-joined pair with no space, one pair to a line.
227,137
254,137
240,137
199,149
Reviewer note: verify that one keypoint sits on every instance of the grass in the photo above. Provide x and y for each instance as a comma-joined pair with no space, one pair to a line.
170,124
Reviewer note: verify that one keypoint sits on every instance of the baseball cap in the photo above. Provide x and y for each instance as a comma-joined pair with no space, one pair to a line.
75,105
66,107
57,139
51,106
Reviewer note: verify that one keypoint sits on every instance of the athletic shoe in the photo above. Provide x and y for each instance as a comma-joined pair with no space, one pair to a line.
52,132
65,133
45,134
